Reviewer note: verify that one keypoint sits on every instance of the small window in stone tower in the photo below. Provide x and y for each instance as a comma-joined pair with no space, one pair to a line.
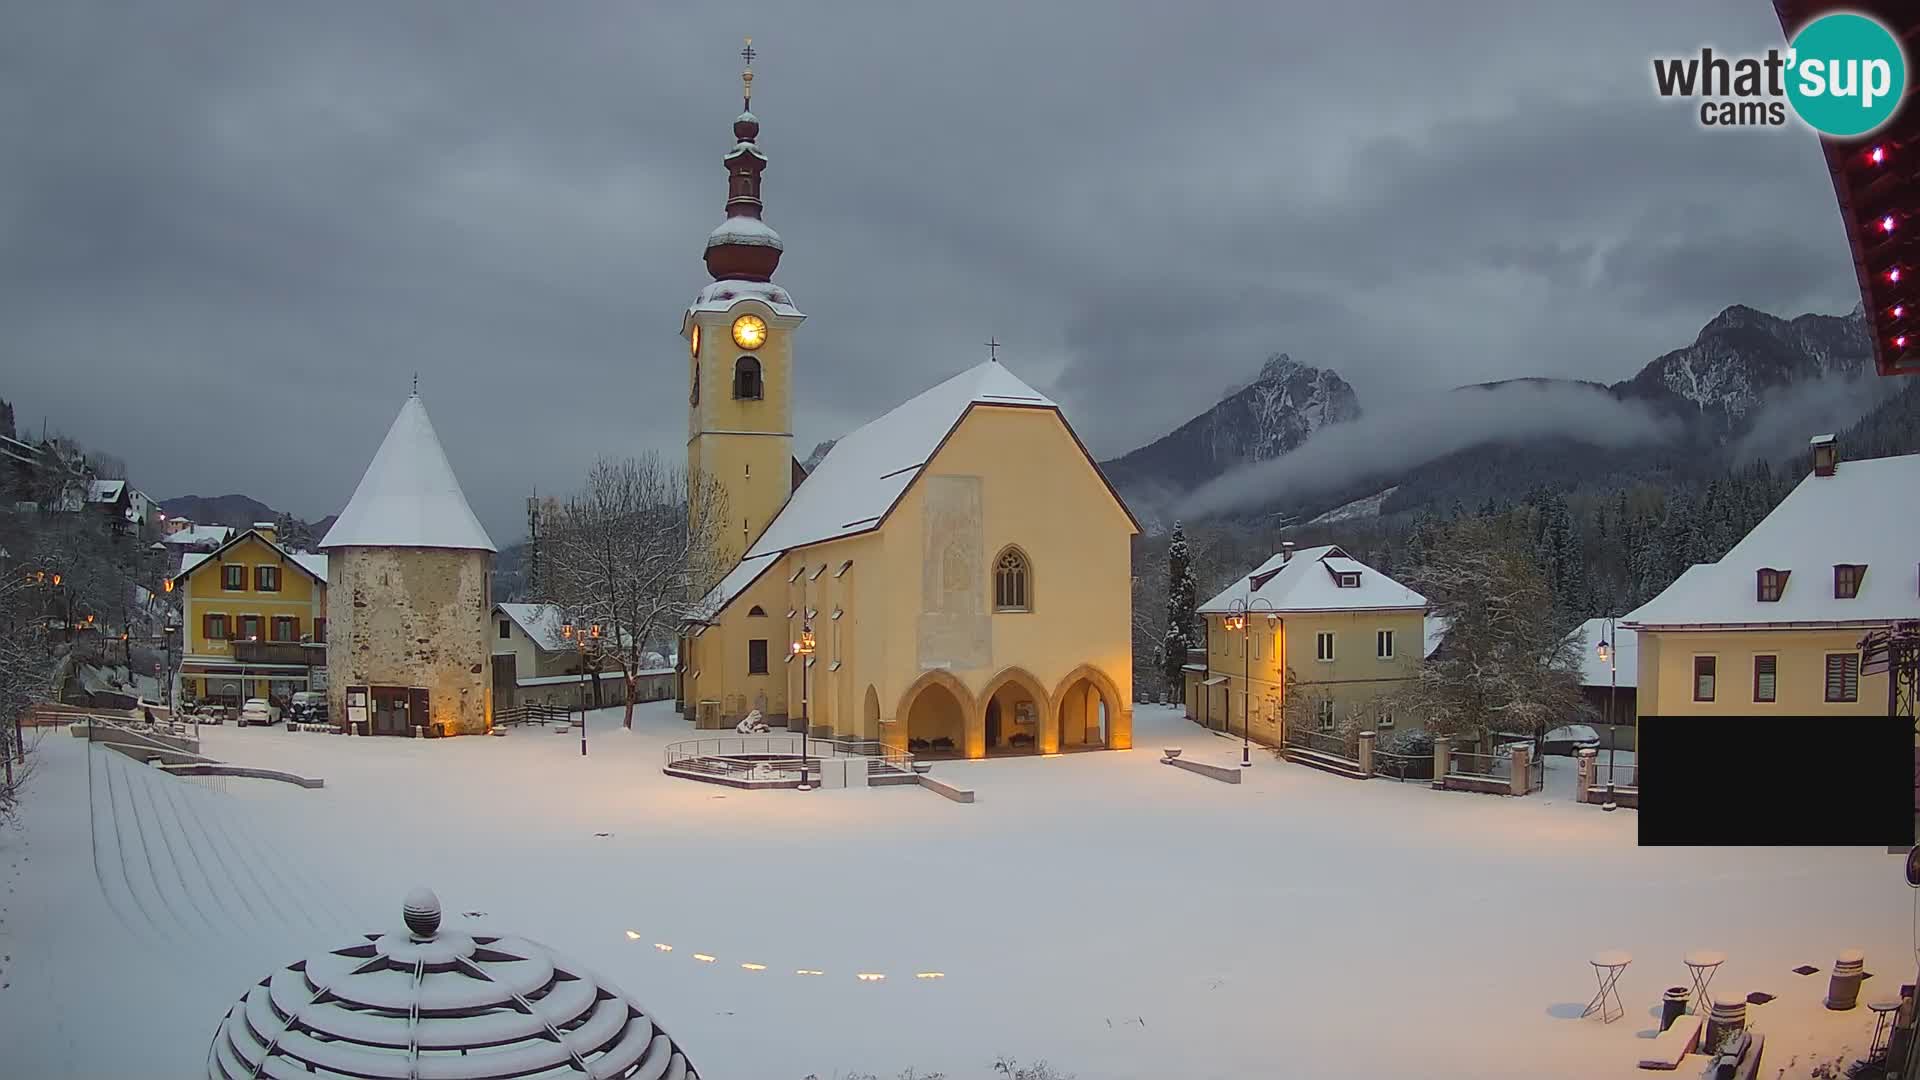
693,396
1010,586
746,379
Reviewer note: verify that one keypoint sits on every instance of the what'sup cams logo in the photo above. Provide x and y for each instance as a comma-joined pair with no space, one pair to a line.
1843,75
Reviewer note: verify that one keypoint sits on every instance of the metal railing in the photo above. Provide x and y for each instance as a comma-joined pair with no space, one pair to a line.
1620,776
1323,742
532,713
784,750
1402,766
1467,763
1537,773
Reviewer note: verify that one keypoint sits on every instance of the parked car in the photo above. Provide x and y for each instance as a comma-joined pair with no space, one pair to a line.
258,711
307,707
1571,740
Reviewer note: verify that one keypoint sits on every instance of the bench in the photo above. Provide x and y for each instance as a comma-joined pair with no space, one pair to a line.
1674,1043
952,791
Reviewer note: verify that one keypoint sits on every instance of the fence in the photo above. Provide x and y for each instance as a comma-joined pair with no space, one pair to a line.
1403,766
1621,775
1324,742
532,713
740,753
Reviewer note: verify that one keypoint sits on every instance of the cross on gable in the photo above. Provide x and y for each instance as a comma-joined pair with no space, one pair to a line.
993,348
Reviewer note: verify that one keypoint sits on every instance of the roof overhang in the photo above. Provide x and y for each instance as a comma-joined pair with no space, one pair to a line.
1658,628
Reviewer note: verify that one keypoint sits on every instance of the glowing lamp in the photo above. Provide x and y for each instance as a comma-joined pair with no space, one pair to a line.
1878,155
1602,650
1893,275
703,958
1886,224
663,946
806,644
754,967
1899,310
1900,342
167,585
631,936
595,632
56,579
566,631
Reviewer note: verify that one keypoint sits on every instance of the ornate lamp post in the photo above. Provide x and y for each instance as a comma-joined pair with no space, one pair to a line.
804,650
1237,620
1609,651
585,640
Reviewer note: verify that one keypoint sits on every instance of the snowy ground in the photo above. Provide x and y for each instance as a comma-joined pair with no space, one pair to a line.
1116,916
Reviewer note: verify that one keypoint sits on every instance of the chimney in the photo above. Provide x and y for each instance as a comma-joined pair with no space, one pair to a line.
1286,551
266,529
1826,454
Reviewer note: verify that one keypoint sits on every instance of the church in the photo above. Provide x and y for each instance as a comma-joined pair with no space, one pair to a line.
952,579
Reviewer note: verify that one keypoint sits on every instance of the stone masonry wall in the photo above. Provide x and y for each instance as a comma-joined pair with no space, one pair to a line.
415,617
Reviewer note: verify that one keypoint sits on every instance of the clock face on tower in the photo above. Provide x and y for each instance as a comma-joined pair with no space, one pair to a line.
694,345
749,332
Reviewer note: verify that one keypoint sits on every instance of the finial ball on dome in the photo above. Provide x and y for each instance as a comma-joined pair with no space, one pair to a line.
422,912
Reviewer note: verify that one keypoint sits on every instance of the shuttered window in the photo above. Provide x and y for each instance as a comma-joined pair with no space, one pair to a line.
1766,678
1704,670
1843,677
1323,645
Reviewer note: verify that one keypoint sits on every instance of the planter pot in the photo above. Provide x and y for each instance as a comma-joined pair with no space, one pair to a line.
1171,752
923,767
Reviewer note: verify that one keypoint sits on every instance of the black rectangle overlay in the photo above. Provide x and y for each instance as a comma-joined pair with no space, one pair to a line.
1726,781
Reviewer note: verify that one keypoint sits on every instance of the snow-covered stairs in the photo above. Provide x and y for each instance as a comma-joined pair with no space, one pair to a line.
1314,759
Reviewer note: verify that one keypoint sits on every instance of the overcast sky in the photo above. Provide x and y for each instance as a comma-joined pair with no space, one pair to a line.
231,232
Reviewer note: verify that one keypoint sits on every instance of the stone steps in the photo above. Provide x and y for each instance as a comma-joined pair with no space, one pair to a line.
1314,759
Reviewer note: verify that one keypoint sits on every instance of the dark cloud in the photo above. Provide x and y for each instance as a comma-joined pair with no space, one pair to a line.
230,233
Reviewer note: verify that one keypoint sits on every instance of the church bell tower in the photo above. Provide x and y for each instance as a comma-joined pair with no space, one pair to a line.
740,352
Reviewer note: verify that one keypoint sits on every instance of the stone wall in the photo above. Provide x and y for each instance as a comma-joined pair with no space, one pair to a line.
415,617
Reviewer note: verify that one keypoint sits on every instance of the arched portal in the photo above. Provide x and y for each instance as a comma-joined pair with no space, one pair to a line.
934,711
1087,710
870,714
1013,709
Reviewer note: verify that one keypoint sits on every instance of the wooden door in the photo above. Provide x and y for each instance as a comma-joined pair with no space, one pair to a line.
417,714
506,684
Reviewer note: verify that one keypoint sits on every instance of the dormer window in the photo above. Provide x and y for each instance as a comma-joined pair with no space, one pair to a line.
1769,584
1846,580
1347,581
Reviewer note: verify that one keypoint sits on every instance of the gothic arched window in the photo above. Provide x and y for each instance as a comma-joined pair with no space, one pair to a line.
746,379
1012,587
693,396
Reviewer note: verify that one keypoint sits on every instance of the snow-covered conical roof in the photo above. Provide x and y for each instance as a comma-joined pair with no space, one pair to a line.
425,1001
409,496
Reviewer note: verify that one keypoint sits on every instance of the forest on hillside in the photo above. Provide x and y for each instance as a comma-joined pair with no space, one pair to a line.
1602,552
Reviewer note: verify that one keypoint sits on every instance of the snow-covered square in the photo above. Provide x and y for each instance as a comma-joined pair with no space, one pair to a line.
1114,916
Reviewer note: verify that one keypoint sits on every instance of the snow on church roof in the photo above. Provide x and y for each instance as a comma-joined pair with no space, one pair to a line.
745,230
1305,584
1856,516
409,496
860,478
866,472
724,294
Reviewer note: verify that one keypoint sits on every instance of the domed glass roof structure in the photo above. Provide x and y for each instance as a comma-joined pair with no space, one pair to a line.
431,1003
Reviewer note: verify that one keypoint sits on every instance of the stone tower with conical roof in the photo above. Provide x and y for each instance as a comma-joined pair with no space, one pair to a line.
410,597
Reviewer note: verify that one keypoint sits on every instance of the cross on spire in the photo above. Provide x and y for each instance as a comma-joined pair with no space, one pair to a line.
746,76
416,384
993,348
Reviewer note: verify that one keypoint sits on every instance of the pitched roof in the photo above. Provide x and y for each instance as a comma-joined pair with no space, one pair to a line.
105,490
1306,583
196,535
409,496
540,622
1434,629
1863,514
1625,665
314,565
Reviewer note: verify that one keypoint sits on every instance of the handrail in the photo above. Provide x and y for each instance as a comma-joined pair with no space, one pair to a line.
878,755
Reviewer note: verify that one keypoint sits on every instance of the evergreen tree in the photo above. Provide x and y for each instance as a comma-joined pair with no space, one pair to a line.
1182,623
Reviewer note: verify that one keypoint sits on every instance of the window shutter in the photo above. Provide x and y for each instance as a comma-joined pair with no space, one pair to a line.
1766,678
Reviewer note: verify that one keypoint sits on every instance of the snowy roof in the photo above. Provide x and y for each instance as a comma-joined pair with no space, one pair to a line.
743,574
1625,663
859,480
409,496
723,295
315,565
105,490
745,230
604,676
420,1000
1435,633
198,536
1855,516
1304,583
540,622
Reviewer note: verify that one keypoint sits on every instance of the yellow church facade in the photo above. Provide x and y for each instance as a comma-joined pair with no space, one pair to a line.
959,568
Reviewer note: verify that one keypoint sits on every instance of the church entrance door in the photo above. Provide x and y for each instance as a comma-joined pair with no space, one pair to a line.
993,725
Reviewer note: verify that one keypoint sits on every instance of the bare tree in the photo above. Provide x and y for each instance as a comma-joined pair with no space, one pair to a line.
1508,667
634,550
26,677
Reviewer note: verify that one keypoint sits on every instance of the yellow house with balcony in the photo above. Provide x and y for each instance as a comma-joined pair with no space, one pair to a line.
253,615
1774,627
1350,635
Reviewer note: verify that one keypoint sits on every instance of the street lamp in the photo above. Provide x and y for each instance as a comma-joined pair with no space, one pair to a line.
1237,620
168,630
585,640
1610,652
804,650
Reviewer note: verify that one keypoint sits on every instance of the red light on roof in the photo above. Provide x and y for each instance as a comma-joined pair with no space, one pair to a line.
1900,342
1886,224
1878,155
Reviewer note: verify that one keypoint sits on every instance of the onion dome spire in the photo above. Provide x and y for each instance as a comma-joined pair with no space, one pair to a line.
744,248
